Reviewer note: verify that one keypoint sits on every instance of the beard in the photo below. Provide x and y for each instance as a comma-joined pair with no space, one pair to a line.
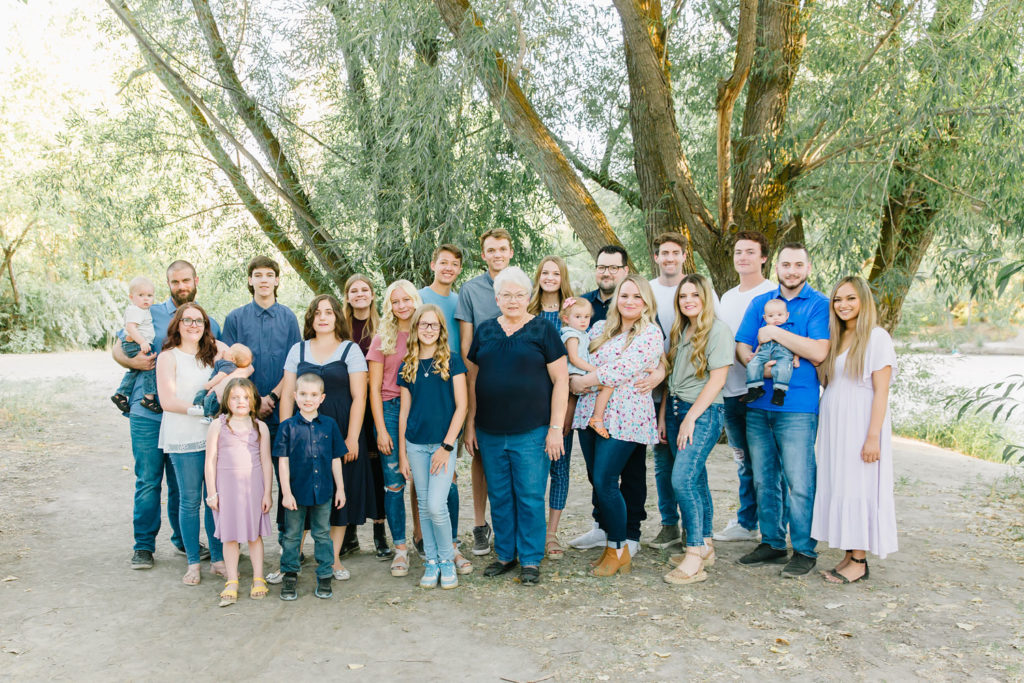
184,297
794,287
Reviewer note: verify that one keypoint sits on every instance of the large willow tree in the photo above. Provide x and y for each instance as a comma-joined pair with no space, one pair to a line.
357,135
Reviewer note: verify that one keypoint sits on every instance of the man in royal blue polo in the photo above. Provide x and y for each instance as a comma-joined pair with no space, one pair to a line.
781,438
144,426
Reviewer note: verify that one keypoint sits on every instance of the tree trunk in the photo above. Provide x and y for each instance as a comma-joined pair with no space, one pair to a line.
295,256
249,111
911,202
661,163
760,170
661,212
532,138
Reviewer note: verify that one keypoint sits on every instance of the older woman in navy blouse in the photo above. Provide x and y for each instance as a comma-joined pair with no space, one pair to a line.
521,391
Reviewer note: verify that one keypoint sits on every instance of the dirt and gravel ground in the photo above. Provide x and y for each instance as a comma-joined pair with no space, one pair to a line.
949,605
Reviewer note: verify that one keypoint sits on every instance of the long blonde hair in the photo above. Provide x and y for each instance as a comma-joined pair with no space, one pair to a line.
442,354
613,325
702,330
388,330
564,288
867,320
374,320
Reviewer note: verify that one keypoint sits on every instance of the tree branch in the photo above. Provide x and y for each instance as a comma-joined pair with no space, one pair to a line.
631,197
728,92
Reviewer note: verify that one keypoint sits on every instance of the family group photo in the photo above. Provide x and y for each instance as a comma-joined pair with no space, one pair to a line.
512,341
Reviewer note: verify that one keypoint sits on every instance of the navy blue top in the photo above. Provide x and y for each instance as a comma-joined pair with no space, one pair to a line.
513,389
269,333
433,401
808,314
310,447
600,307
551,317
162,314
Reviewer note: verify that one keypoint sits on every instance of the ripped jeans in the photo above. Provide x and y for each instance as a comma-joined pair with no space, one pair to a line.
394,482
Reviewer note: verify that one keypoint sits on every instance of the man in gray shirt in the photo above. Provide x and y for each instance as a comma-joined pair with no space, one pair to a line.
476,305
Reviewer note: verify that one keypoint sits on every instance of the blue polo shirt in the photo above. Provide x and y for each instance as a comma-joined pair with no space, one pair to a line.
600,307
808,314
269,333
311,447
162,314
476,300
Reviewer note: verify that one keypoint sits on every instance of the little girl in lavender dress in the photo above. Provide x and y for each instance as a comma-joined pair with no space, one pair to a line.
238,474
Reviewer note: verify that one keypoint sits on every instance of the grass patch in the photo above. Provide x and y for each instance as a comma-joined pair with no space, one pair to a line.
976,436
27,408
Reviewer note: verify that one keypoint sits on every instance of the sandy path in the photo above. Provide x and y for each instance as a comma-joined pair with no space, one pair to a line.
948,605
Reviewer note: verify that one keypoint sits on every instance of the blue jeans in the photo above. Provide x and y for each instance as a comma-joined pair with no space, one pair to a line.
319,529
150,464
433,492
559,491
620,484
782,371
782,452
394,482
147,377
190,470
516,468
664,457
690,472
736,432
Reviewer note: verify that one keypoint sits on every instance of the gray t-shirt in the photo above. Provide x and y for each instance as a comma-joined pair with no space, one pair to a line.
476,301
720,351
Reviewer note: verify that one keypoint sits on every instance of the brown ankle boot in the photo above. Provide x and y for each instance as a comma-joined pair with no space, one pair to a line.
613,563
600,558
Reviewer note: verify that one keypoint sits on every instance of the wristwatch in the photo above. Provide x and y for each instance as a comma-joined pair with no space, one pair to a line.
448,447
277,399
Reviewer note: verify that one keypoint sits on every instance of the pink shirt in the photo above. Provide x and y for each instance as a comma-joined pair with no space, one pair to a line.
390,389
630,414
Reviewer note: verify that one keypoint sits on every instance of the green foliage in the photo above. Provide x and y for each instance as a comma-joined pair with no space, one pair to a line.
997,402
54,316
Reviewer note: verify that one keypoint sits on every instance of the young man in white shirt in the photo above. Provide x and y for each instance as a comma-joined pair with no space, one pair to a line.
750,251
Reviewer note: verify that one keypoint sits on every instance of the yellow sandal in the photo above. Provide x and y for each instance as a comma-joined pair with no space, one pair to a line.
258,592
229,596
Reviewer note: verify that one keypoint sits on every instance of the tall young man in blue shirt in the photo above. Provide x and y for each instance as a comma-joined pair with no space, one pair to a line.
781,438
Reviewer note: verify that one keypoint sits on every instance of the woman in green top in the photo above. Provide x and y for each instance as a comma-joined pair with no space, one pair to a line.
701,352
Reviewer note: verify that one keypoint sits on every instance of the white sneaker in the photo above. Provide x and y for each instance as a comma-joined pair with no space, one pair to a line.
195,411
275,577
595,538
634,547
735,532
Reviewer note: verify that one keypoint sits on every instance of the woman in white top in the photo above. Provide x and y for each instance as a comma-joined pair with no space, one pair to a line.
182,369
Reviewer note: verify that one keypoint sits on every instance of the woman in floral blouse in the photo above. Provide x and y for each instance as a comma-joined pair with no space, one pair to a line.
623,347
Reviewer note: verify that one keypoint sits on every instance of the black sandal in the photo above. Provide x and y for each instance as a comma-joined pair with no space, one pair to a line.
151,404
842,580
121,401
529,576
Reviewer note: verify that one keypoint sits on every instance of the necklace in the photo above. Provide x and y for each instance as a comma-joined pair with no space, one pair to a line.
426,367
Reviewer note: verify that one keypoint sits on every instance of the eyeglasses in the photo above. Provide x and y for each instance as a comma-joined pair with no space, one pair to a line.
611,270
193,322
508,296
433,327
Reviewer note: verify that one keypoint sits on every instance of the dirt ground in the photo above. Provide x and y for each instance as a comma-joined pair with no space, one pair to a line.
949,605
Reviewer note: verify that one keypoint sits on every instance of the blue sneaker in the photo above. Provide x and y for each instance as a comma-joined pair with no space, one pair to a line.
448,577
430,575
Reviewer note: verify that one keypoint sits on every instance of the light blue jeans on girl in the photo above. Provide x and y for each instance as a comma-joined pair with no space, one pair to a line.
689,471
432,493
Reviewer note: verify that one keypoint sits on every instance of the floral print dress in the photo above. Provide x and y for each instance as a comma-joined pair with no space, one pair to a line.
630,415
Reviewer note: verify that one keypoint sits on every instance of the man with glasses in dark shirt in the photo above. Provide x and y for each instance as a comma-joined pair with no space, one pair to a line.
611,269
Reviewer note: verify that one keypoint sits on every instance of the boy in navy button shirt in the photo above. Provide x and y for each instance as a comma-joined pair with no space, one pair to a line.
309,449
